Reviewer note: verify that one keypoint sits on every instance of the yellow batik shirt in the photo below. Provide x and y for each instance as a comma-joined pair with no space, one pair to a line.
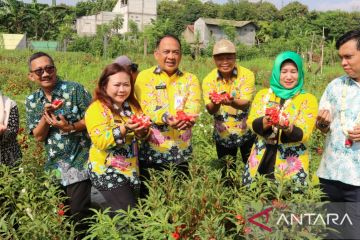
113,158
230,129
292,158
160,96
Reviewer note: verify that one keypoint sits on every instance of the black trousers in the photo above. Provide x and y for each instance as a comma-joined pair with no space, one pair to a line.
79,202
344,199
245,150
145,173
120,198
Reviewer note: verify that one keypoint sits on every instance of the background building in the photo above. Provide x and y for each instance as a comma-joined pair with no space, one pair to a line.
139,11
206,29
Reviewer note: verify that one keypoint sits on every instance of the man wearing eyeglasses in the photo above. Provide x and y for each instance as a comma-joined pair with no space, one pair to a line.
55,116
227,91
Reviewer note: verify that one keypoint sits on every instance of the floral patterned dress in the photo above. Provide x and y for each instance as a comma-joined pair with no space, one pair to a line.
113,159
290,153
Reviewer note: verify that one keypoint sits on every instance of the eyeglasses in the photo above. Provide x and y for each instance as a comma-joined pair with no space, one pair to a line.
50,69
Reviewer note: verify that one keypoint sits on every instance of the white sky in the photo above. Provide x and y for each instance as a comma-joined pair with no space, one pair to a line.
323,5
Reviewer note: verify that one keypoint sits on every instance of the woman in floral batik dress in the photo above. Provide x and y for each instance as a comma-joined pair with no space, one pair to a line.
113,159
283,118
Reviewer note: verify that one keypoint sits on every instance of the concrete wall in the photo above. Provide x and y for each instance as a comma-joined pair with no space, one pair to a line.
14,41
86,25
188,36
245,34
200,27
139,11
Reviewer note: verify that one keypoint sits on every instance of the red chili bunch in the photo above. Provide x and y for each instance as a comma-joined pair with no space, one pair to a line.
182,116
219,97
348,143
57,102
275,116
61,211
240,219
142,120
177,235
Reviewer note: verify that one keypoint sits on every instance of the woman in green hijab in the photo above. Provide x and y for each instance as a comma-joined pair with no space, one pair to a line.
283,118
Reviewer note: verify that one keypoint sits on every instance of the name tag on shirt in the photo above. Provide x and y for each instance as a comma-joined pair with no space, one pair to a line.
161,86
179,102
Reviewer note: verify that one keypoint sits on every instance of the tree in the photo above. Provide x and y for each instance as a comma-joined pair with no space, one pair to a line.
210,10
66,31
266,11
293,10
230,31
133,28
13,15
117,23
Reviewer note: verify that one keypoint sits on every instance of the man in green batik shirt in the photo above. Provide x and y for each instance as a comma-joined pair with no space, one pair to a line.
55,115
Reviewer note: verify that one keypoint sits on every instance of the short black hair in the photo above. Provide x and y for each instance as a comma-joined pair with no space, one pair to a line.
167,36
38,55
351,35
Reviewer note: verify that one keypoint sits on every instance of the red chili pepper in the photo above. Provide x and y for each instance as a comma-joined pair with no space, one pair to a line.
61,212
182,116
142,120
348,143
175,235
219,97
273,113
57,102
241,219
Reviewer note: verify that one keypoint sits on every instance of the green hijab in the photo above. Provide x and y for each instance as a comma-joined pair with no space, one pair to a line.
275,85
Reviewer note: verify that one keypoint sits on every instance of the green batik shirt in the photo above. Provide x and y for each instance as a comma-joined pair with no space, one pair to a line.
67,152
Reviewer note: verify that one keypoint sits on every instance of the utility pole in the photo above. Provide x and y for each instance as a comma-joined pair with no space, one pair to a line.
322,51
142,15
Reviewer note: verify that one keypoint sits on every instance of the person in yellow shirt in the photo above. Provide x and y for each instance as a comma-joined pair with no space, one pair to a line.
283,118
113,156
230,113
162,91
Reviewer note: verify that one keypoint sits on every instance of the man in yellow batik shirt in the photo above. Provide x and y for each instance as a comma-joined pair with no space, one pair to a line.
163,90
228,90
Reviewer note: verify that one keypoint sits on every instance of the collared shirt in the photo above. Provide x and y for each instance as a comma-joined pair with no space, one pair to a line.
292,158
230,128
339,162
160,95
112,157
67,152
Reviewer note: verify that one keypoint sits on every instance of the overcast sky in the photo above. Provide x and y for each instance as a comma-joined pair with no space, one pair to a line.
323,5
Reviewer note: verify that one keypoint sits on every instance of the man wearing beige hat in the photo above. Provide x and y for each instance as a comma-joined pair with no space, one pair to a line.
228,90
